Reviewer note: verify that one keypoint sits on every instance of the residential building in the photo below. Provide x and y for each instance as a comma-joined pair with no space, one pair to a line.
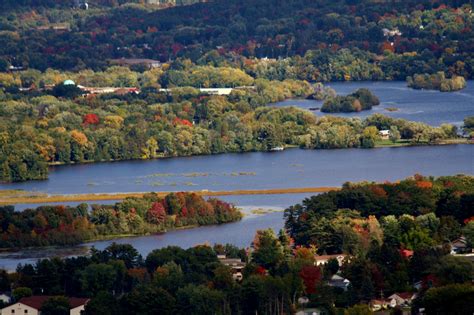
339,282
309,311
149,63
402,299
384,134
32,305
459,246
323,259
236,264
379,304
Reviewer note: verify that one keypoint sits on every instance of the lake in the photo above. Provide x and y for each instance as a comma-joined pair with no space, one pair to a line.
257,170
431,107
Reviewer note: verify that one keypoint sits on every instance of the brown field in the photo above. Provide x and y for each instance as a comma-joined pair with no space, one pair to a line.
16,197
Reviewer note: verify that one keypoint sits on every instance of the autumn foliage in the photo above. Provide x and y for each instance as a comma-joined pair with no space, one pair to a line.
91,119
183,122
311,276
60,225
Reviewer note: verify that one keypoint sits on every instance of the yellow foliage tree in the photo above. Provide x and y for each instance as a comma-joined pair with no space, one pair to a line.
79,137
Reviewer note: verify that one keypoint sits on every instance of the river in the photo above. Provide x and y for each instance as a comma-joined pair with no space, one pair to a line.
265,170
431,107
257,170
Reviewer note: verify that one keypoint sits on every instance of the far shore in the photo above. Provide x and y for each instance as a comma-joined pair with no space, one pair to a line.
23,197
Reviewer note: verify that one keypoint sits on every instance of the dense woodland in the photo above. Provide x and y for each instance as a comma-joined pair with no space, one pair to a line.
60,126
371,223
437,81
314,41
60,225
362,99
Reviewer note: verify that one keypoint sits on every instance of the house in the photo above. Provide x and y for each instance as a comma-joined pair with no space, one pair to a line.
323,259
58,27
406,253
31,305
402,299
5,297
216,91
106,90
339,282
309,311
384,134
418,285
459,246
379,304
391,33
236,264
149,63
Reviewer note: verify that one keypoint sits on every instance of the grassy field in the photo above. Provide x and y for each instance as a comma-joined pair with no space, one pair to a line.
404,143
17,197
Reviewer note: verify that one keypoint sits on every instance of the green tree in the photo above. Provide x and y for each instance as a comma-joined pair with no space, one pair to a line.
459,295
394,134
57,305
102,303
98,277
21,292
267,249
369,137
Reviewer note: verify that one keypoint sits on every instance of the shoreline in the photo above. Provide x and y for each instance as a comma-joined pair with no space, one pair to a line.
119,196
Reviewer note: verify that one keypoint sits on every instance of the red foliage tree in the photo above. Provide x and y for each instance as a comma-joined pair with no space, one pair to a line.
261,271
156,214
311,276
184,122
91,119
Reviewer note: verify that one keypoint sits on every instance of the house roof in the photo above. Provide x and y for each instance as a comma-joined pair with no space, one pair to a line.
459,242
327,257
337,277
37,301
406,253
403,295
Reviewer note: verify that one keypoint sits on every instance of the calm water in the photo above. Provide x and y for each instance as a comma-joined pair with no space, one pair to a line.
256,170
431,107
239,233
290,168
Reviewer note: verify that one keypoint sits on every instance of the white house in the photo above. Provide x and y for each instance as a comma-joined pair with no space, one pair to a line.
459,245
236,264
384,134
402,299
339,282
309,311
323,259
32,305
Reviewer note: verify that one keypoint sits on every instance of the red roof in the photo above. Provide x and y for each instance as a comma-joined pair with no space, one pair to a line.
406,253
405,295
36,301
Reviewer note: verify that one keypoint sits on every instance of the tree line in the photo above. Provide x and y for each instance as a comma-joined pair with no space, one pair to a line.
61,225
362,99
437,81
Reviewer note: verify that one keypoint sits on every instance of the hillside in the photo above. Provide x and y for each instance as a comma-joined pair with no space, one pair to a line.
402,38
